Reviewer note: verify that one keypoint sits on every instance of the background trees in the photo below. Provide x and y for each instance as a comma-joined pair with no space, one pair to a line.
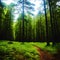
25,5
7,26
5,23
53,20
45,26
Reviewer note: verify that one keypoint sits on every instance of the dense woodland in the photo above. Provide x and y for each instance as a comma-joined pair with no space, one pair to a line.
42,27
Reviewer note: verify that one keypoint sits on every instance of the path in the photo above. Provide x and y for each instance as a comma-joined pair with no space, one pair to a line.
44,55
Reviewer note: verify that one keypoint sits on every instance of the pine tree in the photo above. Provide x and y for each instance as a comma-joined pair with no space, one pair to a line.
26,6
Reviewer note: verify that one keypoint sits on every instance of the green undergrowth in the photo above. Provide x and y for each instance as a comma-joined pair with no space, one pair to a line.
18,51
24,50
52,49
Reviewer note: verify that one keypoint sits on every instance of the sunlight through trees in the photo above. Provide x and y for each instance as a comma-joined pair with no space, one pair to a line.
30,20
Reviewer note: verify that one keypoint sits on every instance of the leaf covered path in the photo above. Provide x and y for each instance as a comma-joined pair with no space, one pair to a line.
44,55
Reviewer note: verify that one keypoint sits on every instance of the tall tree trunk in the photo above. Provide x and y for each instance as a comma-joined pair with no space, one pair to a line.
52,21
1,17
46,23
23,20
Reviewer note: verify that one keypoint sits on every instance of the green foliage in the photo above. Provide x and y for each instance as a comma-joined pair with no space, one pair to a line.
7,25
18,51
24,50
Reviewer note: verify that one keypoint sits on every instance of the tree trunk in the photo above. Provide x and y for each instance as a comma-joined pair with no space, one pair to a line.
46,23
23,20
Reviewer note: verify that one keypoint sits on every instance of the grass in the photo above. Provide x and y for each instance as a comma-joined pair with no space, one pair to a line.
22,50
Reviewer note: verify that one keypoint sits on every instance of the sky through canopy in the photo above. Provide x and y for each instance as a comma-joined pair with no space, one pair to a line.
38,6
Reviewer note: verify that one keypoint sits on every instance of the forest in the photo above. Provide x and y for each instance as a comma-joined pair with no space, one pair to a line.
29,23
44,26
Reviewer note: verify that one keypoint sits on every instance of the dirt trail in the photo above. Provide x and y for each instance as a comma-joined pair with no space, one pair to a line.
44,55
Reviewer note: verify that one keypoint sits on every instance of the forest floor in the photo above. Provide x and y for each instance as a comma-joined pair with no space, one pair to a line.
28,51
